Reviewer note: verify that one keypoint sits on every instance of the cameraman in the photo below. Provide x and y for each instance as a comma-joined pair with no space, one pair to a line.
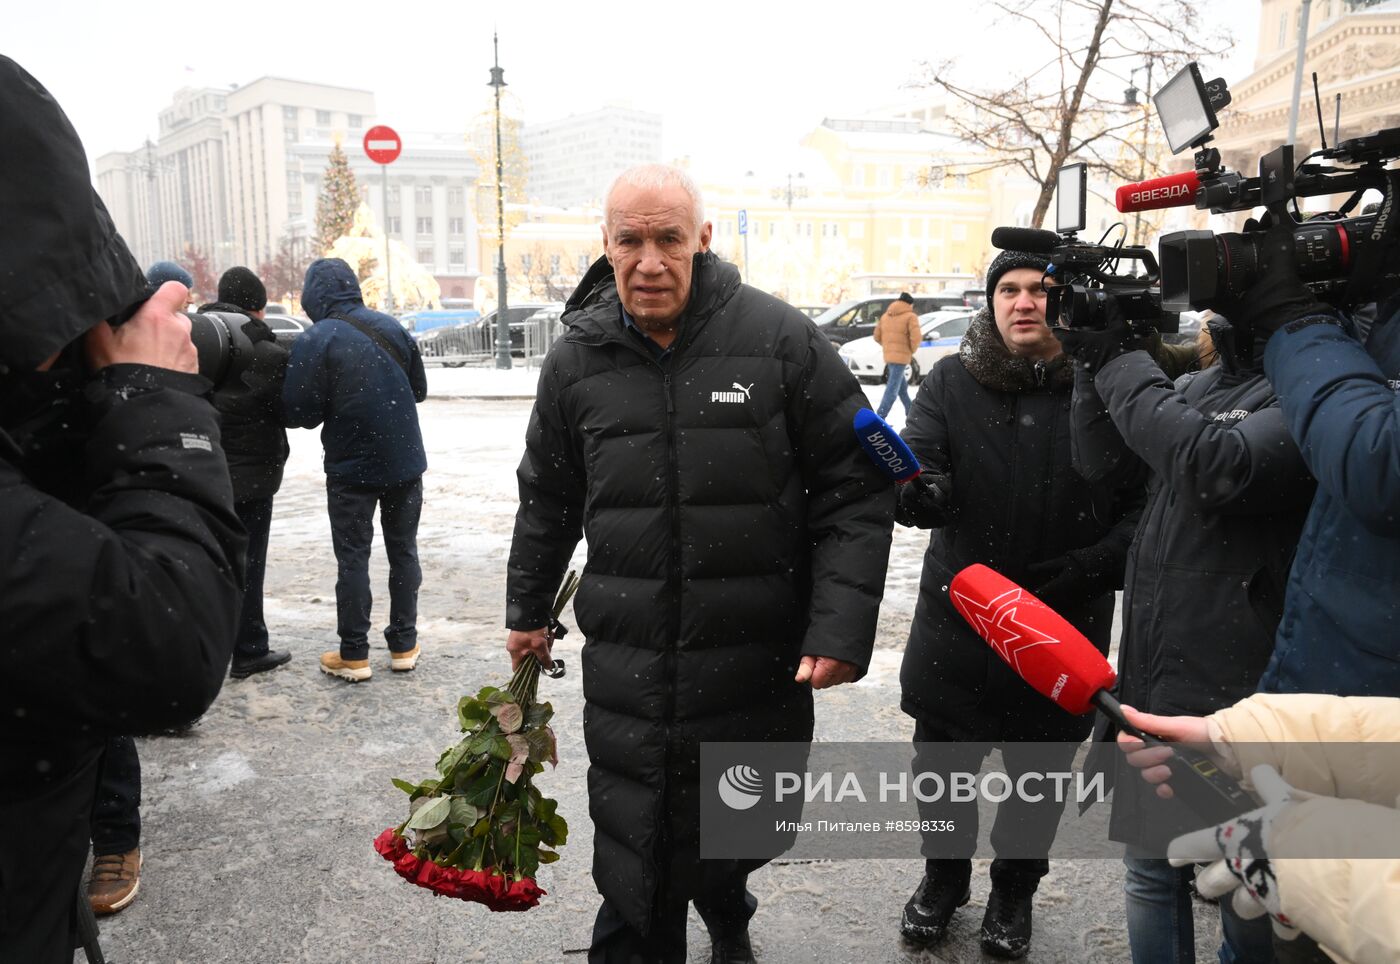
119,592
1227,493
1341,622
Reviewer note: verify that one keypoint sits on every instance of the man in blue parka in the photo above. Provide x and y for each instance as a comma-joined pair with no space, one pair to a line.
1341,399
360,373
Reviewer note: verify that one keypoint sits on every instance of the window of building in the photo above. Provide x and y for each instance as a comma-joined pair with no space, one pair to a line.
395,224
583,263
424,226
526,262
456,225
454,196
355,121
883,177
423,194
771,226
456,257
289,115
425,257
323,118
808,228
554,264
393,194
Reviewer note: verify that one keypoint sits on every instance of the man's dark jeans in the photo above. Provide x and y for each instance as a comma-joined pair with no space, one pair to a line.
256,516
116,808
352,533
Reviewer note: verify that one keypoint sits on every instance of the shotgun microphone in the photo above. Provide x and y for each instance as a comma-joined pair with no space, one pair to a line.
1171,191
1061,664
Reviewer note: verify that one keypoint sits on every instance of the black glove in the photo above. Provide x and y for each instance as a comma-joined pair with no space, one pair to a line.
1092,349
1279,296
255,391
925,502
1077,577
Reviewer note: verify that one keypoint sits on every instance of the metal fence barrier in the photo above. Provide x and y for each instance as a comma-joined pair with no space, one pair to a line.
476,344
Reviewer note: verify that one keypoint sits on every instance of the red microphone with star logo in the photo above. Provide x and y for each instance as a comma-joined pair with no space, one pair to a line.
1060,663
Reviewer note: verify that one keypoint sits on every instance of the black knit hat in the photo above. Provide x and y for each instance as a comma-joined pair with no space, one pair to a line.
1010,261
906,297
241,287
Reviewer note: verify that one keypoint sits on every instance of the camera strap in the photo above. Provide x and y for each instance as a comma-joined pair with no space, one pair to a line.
377,338
1372,274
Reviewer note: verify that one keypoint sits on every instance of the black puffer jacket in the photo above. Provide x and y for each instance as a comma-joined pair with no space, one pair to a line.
1226,498
254,439
733,524
999,425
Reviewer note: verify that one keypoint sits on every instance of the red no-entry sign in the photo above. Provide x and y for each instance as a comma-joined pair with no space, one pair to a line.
382,144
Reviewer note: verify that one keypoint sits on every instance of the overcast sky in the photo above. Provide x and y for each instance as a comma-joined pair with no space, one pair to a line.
731,79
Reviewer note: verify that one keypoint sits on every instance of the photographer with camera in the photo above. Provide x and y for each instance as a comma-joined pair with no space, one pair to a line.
1226,495
119,594
1340,631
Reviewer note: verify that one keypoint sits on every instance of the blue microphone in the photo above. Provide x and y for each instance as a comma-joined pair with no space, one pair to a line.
885,448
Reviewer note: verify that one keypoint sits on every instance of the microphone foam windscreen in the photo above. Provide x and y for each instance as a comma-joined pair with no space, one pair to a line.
1038,643
884,446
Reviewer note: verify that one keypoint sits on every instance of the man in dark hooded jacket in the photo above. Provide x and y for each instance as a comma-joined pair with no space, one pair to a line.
699,434
1227,494
119,592
994,420
360,373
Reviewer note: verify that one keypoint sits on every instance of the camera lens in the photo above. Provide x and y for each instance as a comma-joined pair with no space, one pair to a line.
224,350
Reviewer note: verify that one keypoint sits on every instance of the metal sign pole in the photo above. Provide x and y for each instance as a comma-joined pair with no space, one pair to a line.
388,262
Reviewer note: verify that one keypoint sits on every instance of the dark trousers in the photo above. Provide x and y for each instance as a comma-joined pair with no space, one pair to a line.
352,533
726,909
256,516
116,809
1031,825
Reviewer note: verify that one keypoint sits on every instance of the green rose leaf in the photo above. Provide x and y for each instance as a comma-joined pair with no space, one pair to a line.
508,716
538,714
431,815
547,856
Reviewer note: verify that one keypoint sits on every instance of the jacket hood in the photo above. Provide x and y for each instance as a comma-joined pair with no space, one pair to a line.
594,303
899,309
63,267
330,285
987,359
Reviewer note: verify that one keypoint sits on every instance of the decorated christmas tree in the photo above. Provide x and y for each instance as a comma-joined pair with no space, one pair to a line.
337,202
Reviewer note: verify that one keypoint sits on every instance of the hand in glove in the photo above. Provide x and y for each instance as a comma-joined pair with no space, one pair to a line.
1074,578
925,502
1092,349
1239,849
1278,297
255,391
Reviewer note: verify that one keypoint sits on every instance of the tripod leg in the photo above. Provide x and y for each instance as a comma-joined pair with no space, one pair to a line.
87,931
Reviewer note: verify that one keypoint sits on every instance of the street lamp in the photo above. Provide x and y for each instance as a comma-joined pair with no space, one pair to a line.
1130,100
498,80
790,193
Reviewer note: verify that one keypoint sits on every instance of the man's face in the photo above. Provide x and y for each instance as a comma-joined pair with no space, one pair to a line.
1018,304
650,236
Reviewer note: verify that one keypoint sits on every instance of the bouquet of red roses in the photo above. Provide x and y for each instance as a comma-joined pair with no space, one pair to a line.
480,829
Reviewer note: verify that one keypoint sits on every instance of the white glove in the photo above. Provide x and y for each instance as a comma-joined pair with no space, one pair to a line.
1238,853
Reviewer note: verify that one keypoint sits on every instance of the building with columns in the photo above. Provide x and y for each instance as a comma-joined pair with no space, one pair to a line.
1355,48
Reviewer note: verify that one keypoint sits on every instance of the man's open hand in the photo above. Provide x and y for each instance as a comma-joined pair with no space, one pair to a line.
824,671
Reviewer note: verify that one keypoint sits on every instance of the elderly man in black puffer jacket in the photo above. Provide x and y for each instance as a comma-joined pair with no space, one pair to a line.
991,425
699,433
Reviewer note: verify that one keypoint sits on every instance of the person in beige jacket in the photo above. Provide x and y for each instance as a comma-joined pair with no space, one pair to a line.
1338,756
898,333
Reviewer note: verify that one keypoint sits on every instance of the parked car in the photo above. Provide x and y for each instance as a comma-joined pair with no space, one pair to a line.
812,311
515,318
285,327
942,335
856,319
428,319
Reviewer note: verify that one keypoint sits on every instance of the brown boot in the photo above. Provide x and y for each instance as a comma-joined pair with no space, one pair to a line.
354,670
115,880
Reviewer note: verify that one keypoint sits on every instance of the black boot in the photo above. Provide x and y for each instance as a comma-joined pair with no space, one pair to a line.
1006,927
928,912
273,658
731,950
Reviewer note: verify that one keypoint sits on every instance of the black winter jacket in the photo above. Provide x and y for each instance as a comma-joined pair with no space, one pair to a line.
1226,499
733,524
122,556
254,440
999,425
